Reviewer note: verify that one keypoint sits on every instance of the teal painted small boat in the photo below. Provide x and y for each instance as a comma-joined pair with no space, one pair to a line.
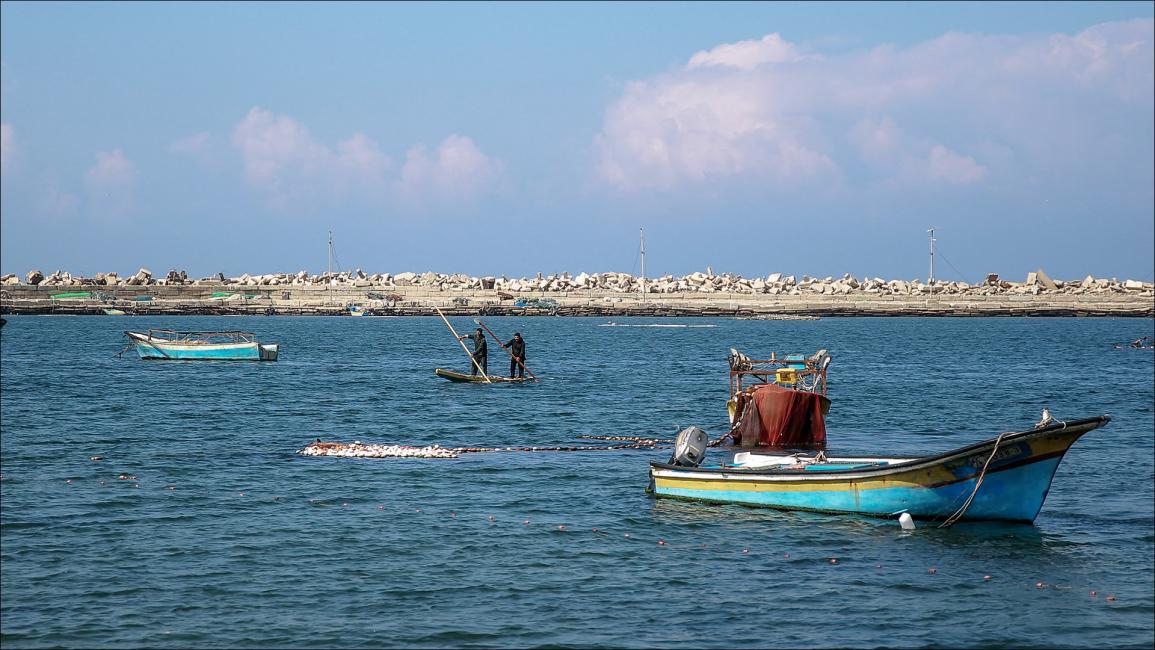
187,346
1004,478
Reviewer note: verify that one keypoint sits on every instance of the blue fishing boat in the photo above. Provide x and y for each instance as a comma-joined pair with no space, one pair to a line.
175,345
1003,478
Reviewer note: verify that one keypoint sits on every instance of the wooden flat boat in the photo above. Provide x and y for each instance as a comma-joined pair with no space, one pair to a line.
475,379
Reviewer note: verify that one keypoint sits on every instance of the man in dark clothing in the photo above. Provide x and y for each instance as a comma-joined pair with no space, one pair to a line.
480,352
516,347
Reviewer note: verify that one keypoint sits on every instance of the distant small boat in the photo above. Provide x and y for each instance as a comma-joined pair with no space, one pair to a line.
679,325
356,310
114,312
171,344
461,377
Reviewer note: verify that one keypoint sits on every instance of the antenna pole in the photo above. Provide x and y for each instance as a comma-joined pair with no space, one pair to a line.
932,240
642,233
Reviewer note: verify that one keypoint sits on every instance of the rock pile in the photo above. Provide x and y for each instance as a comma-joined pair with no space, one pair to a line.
1036,283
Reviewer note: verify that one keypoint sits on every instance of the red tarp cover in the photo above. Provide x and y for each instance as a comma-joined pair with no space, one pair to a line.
772,416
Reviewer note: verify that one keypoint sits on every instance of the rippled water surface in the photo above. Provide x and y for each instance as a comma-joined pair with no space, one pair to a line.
224,537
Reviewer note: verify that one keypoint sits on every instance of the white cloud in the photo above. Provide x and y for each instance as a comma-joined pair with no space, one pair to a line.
458,171
946,165
748,55
111,182
678,129
193,144
7,146
889,151
282,159
762,111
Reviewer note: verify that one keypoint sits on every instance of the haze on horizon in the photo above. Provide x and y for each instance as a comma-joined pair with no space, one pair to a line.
517,138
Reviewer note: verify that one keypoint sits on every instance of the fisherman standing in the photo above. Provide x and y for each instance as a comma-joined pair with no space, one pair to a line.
516,347
480,352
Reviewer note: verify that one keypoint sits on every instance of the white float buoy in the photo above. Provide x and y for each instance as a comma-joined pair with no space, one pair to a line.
906,521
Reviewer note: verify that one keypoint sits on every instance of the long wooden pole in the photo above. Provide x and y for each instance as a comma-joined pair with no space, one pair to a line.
467,352
531,375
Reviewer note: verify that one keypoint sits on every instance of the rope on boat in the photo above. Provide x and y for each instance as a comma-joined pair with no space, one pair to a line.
1046,420
967,504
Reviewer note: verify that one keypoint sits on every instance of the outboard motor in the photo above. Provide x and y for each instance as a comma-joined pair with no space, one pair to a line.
690,447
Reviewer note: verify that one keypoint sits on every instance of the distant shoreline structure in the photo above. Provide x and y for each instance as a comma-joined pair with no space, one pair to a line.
602,294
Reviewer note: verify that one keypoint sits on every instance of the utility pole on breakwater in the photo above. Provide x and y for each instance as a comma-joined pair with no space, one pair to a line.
642,233
931,281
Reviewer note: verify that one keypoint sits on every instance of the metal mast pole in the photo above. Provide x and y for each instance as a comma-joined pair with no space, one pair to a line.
931,231
329,277
642,233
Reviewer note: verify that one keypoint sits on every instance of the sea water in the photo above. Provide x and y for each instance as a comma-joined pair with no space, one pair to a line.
220,535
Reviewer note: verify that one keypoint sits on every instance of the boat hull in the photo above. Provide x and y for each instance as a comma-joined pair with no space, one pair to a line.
1014,485
154,348
460,377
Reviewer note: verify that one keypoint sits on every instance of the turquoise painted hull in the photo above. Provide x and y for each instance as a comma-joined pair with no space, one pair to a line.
159,348
1013,488
246,352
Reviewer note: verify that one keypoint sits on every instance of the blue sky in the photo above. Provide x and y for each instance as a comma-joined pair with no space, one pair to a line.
510,139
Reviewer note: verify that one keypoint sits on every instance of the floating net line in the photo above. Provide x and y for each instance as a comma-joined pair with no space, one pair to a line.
358,449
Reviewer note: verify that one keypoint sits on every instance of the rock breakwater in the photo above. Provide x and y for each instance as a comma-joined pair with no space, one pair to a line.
700,293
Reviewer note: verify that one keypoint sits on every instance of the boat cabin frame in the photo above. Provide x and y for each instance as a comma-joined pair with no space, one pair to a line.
191,337
794,371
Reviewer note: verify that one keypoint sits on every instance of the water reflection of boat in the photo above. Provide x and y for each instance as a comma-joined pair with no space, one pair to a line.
1003,478
171,344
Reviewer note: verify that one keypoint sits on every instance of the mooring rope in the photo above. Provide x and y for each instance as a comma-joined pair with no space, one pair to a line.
978,483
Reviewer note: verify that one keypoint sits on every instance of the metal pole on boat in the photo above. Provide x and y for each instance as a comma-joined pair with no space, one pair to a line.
467,353
499,342
329,275
931,231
